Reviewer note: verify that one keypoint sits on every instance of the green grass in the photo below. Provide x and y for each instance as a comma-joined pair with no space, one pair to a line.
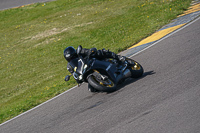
32,40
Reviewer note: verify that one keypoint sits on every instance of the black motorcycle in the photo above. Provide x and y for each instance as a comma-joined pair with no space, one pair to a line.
103,75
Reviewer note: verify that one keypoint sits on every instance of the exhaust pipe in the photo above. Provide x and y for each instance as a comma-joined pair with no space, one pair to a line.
124,75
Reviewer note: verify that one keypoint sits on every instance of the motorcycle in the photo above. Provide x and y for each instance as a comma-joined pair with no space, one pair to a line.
102,75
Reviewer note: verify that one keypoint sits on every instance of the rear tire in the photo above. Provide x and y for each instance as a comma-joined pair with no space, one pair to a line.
98,84
136,69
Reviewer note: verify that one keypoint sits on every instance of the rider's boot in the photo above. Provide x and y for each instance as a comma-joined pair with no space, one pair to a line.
121,59
109,54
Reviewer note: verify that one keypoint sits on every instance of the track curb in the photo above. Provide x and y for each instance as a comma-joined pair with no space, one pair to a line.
191,14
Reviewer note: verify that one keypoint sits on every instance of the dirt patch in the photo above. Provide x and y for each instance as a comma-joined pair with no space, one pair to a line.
55,31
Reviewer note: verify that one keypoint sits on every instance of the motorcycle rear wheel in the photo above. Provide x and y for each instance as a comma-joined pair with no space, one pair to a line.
136,69
101,85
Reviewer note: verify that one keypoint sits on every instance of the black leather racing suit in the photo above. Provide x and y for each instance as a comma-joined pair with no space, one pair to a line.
100,54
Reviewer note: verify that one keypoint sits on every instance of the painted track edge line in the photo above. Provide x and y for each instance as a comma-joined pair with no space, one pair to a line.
187,24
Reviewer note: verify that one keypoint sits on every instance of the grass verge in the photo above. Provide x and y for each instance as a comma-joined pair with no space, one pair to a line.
32,40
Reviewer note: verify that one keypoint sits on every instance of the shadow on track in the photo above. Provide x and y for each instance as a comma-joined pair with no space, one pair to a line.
131,80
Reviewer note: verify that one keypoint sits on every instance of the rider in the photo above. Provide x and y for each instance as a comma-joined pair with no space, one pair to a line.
70,53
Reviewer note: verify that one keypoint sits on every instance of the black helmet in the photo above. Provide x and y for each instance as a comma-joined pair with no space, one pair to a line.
69,53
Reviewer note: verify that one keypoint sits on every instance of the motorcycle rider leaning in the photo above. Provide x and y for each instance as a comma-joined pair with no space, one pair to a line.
70,53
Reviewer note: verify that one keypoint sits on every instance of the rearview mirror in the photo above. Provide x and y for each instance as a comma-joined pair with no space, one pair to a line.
67,78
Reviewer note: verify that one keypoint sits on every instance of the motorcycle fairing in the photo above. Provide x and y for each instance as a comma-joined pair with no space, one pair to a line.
106,66
74,63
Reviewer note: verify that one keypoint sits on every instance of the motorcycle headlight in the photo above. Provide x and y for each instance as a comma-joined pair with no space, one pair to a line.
80,77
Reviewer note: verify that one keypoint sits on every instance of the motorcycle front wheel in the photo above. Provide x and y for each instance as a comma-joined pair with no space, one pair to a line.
101,85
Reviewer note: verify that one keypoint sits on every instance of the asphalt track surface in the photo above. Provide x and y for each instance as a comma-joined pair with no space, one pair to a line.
6,4
165,100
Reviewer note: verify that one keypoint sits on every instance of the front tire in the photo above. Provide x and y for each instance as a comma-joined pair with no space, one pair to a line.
101,85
